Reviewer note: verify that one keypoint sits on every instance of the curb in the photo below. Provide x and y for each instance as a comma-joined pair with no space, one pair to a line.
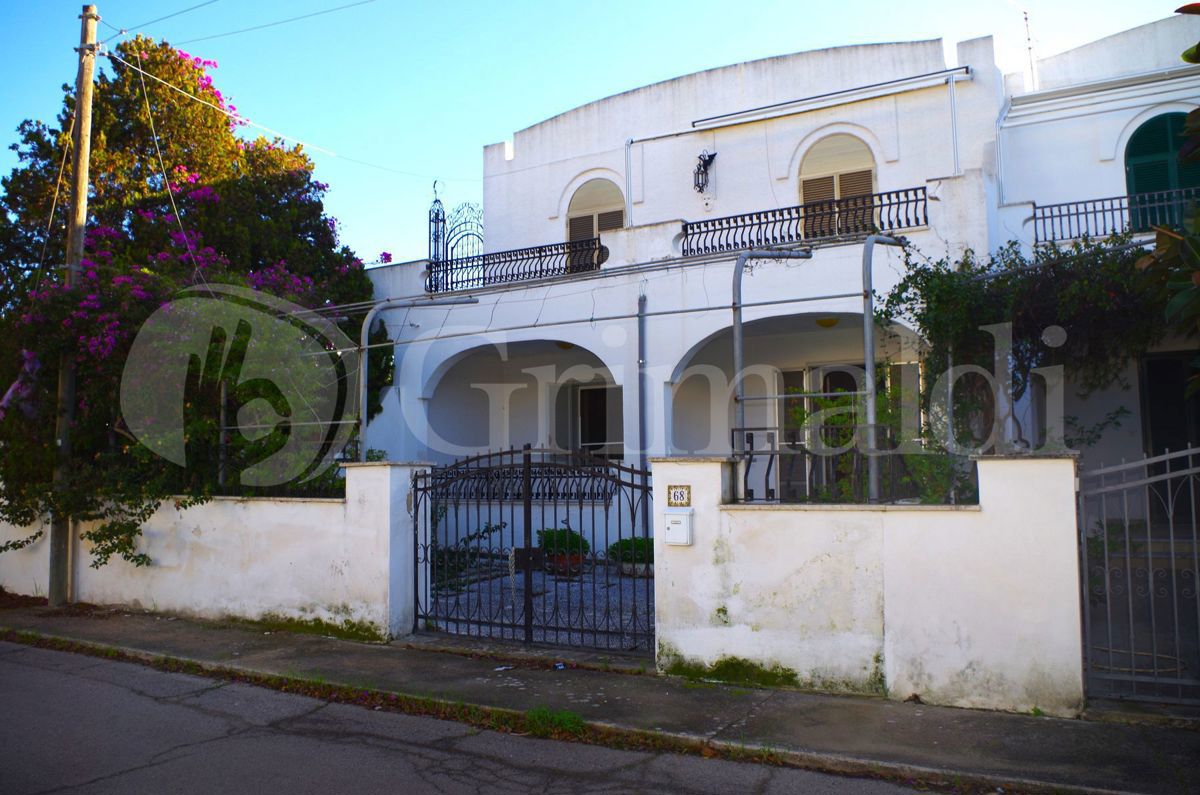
598,733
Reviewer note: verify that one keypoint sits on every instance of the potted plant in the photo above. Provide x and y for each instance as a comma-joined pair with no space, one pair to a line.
564,550
635,556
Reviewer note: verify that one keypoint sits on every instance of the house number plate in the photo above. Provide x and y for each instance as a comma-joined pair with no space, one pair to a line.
679,496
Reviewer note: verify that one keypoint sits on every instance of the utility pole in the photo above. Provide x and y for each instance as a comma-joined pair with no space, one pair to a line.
81,142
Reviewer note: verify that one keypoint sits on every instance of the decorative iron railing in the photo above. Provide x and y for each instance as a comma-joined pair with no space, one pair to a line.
829,463
516,265
541,546
1098,218
854,216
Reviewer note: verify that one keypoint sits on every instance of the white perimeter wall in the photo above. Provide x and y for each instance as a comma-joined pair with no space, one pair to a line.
332,560
967,606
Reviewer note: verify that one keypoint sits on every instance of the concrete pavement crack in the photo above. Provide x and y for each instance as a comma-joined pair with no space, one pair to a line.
740,719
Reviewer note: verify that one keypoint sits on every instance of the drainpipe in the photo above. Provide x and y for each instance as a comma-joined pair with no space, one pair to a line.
1000,150
628,182
738,363
391,303
641,379
869,356
954,125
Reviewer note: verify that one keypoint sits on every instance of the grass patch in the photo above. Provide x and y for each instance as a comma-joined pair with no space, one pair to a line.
543,722
735,671
360,631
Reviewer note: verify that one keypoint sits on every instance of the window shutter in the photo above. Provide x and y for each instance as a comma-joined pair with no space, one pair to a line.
818,189
1189,175
613,219
1150,176
1152,138
855,183
581,228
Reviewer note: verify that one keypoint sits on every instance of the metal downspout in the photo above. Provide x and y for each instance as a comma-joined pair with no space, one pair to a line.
641,380
954,125
628,182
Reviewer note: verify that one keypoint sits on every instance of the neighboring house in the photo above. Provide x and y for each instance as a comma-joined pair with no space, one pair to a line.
653,193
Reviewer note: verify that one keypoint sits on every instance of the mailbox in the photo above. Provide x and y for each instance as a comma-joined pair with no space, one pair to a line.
678,526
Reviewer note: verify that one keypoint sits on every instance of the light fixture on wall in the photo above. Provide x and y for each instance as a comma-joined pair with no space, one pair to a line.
700,175
827,322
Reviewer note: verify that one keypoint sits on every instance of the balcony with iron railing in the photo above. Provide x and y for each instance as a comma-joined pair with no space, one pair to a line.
1100,218
516,265
850,218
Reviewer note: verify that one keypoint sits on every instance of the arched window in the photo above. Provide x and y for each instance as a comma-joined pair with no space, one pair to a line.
1152,157
838,175
1154,176
596,207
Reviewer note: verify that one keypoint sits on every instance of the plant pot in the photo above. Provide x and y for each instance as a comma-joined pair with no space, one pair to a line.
564,564
637,569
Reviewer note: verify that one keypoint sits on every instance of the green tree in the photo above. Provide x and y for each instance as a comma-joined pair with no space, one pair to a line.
228,210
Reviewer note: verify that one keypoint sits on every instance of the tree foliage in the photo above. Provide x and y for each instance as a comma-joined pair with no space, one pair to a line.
250,213
1084,307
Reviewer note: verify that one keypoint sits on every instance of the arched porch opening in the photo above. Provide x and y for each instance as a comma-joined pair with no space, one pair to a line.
548,393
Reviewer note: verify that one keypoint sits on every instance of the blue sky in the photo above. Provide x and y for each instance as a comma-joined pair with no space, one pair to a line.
422,87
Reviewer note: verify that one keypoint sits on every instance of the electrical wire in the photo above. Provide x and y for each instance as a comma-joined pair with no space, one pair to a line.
187,241
243,120
53,205
122,31
278,22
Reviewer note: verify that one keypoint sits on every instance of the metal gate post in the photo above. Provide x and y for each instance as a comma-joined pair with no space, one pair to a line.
527,494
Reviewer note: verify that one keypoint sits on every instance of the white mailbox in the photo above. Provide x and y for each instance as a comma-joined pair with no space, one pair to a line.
679,526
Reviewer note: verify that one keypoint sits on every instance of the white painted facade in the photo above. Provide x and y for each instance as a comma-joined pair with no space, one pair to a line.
970,606
983,147
329,560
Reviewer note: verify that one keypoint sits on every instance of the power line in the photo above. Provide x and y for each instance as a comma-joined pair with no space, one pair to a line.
187,241
53,206
121,31
242,119
278,22
176,13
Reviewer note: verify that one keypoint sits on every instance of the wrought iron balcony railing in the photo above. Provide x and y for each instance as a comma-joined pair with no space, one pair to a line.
517,265
854,216
1099,218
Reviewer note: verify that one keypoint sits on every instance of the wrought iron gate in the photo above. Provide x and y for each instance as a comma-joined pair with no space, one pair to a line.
1140,551
533,545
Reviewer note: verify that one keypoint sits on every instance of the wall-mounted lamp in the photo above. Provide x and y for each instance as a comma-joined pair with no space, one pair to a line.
827,322
701,172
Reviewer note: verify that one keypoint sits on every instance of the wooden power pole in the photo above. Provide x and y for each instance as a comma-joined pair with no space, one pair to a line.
81,142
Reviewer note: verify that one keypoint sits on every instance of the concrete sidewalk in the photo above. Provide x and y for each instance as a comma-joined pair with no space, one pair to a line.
950,747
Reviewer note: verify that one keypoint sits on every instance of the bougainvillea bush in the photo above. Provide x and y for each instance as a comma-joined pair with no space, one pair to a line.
250,213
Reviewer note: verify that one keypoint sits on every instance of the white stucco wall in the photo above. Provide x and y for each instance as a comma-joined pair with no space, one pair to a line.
1156,45
1065,142
969,606
909,130
331,560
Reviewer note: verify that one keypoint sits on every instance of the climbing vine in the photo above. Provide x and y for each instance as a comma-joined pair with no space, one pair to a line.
1084,307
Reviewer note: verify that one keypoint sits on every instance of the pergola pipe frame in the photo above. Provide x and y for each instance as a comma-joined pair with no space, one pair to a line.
363,350
869,389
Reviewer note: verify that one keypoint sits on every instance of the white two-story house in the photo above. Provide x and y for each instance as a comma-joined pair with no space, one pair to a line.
598,316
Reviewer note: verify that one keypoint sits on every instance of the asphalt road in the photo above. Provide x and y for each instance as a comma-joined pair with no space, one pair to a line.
72,723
